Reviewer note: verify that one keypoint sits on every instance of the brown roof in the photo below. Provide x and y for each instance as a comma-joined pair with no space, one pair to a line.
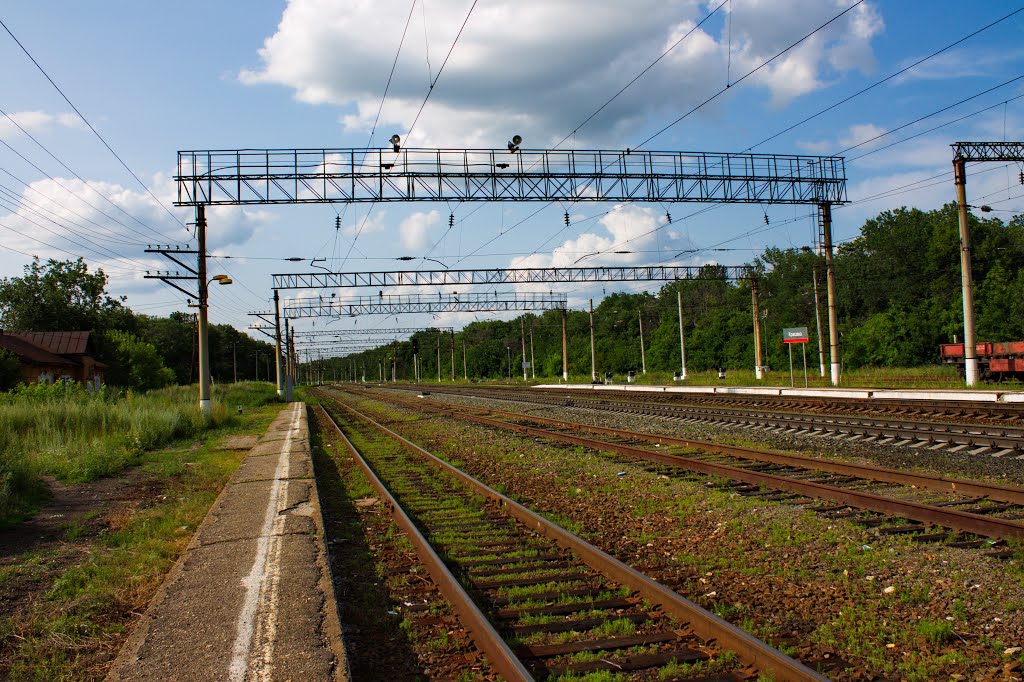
60,343
30,352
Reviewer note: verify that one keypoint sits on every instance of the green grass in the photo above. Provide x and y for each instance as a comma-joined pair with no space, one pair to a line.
64,432
90,592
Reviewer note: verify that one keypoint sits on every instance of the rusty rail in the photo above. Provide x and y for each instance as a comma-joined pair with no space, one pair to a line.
751,650
925,513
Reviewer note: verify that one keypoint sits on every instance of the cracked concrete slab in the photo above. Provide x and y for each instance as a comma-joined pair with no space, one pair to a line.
252,596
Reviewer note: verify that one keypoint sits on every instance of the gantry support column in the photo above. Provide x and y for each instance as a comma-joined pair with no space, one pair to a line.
522,337
565,345
593,350
966,277
682,339
277,342
825,212
756,299
204,303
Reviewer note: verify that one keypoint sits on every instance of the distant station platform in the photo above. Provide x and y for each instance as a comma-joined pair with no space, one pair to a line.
251,598
931,395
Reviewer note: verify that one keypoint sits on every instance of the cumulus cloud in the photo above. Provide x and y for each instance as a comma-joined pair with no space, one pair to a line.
35,122
413,231
539,67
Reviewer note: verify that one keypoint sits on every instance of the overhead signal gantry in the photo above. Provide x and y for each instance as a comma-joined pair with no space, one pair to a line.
356,175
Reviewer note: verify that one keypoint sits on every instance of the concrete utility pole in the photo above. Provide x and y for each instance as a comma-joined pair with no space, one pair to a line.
682,339
825,211
593,350
758,366
234,359
565,345
453,355
533,364
465,366
966,276
277,342
439,357
204,302
817,322
643,355
522,337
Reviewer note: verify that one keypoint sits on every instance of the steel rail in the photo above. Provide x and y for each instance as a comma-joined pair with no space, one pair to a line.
479,628
706,625
1001,493
921,431
930,514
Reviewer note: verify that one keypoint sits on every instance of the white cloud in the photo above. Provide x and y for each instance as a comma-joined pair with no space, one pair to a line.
413,231
35,122
539,67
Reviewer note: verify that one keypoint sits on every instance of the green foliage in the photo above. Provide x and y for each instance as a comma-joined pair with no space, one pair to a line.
898,299
59,296
135,363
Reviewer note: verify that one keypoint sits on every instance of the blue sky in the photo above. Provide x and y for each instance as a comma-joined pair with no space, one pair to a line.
311,73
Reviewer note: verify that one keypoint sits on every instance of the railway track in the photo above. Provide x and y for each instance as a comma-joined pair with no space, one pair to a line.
996,440
845,489
558,604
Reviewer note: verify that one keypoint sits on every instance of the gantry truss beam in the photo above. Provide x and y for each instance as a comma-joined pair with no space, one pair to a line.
988,151
381,331
646,273
396,305
317,176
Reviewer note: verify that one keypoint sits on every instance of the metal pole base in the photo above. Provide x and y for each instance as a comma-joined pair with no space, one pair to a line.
206,406
757,372
835,373
971,370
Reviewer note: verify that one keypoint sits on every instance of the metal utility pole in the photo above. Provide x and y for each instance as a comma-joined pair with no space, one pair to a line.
565,345
825,213
204,302
465,367
289,381
277,342
593,350
533,365
817,321
522,337
966,276
643,355
758,367
234,359
508,350
682,338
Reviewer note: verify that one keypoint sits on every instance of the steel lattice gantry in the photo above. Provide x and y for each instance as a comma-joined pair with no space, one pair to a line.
353,175
396,305
963,152
646,273
344,333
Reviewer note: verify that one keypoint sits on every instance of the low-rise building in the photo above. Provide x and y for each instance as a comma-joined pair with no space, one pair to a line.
48,357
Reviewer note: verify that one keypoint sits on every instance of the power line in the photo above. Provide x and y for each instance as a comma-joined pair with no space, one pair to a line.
885,80
86,121
73,172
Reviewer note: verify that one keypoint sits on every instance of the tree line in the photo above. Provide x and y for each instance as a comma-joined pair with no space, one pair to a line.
898,298
140,351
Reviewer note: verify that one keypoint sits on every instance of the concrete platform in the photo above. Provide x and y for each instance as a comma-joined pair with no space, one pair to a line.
908,395
251,598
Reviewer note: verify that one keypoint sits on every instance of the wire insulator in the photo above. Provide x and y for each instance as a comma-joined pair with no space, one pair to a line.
567,219
451,220
668,217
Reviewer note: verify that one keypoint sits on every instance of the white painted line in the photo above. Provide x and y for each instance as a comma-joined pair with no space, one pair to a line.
255,581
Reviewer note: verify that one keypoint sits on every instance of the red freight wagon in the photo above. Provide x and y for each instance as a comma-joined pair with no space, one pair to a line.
1000,360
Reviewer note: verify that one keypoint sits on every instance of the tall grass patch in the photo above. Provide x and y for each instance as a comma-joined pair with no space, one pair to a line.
64,432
